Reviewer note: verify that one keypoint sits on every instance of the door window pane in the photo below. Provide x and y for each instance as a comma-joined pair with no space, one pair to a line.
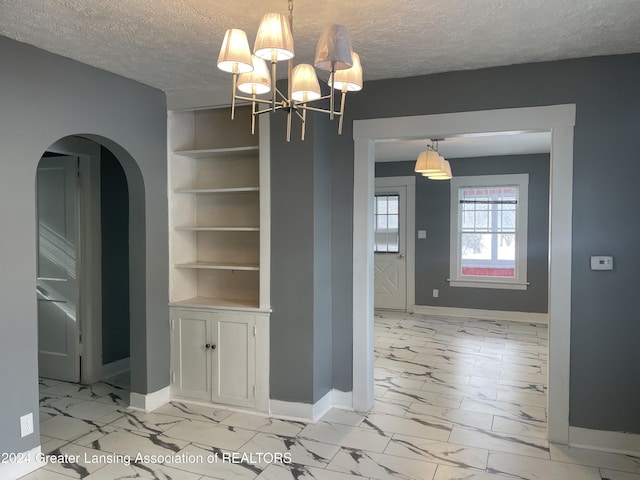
386,223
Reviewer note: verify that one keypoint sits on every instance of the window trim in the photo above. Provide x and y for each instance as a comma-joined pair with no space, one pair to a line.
520,282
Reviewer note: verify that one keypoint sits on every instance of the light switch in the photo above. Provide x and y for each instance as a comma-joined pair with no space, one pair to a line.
422,234
599,262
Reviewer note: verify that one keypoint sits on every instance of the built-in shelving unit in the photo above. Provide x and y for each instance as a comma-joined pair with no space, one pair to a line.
219,210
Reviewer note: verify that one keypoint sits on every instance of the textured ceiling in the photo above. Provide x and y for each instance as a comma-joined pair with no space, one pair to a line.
173,44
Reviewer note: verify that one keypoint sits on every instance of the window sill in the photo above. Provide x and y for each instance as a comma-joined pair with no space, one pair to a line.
488,284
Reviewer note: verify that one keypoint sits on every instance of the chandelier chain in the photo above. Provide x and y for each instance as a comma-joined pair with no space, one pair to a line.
291,15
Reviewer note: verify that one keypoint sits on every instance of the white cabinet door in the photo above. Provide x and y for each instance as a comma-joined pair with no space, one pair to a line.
234,359
190,357
213,356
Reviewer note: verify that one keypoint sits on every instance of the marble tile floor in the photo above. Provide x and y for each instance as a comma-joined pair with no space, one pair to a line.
455,399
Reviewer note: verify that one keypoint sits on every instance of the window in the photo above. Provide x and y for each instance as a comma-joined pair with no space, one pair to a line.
489,231
386,223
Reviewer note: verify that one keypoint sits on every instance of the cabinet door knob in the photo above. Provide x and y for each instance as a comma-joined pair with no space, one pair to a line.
213,347
207,346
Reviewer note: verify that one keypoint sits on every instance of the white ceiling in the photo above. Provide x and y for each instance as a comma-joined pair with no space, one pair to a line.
465,146
173,44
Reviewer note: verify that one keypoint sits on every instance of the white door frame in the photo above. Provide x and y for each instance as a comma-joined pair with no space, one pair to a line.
90,249
560,120
409,231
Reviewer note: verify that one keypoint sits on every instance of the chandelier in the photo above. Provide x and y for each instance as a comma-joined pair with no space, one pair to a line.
274,43
432,165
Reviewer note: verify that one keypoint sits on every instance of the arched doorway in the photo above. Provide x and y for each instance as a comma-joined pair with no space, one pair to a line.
86,267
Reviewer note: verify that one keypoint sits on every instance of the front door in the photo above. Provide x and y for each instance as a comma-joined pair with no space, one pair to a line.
390,266
57,269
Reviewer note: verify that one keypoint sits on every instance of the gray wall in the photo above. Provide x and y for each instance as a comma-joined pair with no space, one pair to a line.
301,271
114,219
604,319
45,98
432,253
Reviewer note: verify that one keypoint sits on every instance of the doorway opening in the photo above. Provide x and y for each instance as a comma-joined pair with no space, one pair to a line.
558,119
83,277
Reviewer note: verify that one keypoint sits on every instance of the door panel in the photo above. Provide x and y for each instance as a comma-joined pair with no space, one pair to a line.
57,282
191,365
234,359
390,268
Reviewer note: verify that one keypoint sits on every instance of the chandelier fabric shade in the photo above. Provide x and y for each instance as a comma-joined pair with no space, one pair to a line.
445,174
258,81
432,165
304,83
349,80
274,41
429,162
235,56
334,51
256,74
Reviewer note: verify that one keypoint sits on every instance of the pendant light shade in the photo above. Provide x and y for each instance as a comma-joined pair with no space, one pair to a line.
304,85
429,162
445,174
258,81
274,41
349,80
235,56
333,51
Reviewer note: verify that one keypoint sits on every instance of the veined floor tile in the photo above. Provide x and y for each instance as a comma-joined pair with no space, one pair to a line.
216,463
380,466
452,416
346,436
437,452
77,461
529,446
535,469
302,451
413,425
264,424
145,422
194,412
511,385
133,442
616,475
446,472
142,472
220,436
344,417
581,456
528,428
391,406
523,398
422,396
42,474
83,409
301,472
504,408
67,428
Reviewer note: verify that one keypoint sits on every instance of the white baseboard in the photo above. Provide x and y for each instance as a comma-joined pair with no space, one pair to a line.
26,463
150,401
614,442
114,368
310,413
498,315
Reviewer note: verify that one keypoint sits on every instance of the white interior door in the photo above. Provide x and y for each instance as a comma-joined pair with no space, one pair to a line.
57,282
390,259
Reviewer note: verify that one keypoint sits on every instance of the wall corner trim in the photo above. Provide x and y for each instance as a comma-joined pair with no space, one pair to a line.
497,315
614,442
28,462
307,412
150,401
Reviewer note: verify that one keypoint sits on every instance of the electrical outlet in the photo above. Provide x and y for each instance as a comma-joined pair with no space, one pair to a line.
26,424
436,292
